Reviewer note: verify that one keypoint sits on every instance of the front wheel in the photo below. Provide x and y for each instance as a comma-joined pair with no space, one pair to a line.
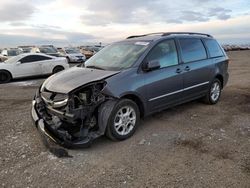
5,77
123,120
214,92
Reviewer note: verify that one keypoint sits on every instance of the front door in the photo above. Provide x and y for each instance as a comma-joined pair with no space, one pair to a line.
28,66
164,85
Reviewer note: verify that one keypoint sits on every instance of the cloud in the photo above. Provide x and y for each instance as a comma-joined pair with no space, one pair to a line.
110,11
193,16
16,11
220,13
103,13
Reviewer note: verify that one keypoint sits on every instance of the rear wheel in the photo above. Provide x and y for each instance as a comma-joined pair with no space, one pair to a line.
5,76
214,92
57,69
123,120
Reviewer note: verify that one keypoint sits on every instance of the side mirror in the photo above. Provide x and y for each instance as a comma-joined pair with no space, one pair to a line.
18,63
151,65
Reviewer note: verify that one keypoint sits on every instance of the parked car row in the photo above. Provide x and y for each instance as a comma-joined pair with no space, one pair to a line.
235,47
73,54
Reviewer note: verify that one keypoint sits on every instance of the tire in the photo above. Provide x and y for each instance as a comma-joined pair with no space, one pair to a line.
120,131
57,69
5,77
68,59
214,93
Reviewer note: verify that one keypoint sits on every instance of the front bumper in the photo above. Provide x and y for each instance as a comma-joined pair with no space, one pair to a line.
49,136
77,60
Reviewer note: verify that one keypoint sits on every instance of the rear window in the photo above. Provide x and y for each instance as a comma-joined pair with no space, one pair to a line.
213,48
192,49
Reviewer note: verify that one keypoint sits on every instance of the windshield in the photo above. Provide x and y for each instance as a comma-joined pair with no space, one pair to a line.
117,56
72,51
47,50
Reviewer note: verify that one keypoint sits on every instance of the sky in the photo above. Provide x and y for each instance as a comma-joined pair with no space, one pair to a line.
79,22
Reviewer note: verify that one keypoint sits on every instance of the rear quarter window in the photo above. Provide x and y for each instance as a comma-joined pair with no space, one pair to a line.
213,47
192,49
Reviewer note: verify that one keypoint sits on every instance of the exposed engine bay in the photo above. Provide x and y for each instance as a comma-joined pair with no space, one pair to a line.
77,117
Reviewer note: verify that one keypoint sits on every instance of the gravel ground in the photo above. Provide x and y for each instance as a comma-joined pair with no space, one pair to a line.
192,145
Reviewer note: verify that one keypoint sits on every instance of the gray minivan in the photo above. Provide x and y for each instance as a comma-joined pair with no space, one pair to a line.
126,81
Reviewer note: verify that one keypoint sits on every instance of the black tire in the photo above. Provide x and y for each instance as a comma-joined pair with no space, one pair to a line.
5,77
68,59
209,99
57,69
111,131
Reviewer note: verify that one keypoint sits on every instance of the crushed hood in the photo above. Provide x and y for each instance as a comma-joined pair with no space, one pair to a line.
70,79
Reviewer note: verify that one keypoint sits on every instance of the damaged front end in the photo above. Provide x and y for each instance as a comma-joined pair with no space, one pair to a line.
74,119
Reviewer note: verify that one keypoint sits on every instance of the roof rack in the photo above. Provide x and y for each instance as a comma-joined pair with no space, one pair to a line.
135,36
186,33
170,33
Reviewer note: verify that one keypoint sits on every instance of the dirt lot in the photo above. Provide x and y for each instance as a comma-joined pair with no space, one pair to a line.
192,145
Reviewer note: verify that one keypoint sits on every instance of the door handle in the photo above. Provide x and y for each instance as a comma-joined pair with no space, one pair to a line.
178,71
187,68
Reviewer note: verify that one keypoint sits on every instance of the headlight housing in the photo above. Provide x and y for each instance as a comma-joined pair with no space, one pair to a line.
89,94
56,100
59,104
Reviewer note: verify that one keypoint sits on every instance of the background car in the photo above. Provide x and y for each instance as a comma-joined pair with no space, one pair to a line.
87,52
11,52
3,58
47,49
26,65
73,55
26,49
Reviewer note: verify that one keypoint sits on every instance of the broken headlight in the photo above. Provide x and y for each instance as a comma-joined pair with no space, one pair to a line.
59,104
56,100
90,94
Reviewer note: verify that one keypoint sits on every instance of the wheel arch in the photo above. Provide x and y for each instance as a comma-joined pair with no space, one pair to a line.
220,78
135,98
5,70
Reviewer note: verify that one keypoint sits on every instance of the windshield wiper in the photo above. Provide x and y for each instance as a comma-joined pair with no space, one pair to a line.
95,67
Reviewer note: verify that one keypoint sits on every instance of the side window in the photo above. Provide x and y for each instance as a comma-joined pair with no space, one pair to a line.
42,58
213,48
33,58
192,49
164,52
27,59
